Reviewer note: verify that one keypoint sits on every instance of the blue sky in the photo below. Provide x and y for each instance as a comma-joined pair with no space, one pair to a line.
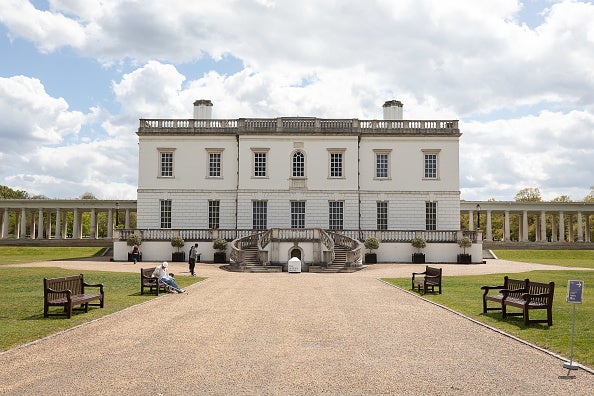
75,77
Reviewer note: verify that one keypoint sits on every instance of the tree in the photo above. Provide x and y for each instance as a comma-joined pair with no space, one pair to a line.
562,198
88,195
590,196
528,194
8,193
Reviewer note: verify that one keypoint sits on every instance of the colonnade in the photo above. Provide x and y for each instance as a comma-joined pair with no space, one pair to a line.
51,219
558,215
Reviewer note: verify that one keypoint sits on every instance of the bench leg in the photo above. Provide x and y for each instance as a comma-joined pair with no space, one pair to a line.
68,309
549,316
526,315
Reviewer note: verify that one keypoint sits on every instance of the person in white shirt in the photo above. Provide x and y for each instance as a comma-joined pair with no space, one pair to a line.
162,273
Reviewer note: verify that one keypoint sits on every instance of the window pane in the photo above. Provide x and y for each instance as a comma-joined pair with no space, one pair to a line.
335,215
298,165
259,215
382,215
430,166
297,214
381,168
166,213
167,164
213,214
335,164
260,164
430,216
214,164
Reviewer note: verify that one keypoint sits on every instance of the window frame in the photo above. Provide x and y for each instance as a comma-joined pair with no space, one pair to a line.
209,164
334,222
160,170
388,170
259,214
214,214
381,210
427,174
256,152
331,163
297,214
430,215
165,213
302,165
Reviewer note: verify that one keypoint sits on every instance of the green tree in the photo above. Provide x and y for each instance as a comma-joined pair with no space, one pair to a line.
528,194
8,193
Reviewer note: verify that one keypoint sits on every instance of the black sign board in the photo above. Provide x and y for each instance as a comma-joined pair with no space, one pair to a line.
575,289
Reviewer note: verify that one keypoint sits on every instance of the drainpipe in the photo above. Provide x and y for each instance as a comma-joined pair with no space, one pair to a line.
237,185
359,179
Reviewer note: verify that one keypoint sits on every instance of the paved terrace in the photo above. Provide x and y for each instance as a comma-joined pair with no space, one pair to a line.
289,334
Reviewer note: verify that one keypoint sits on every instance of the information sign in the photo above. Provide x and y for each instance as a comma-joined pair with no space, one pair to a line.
575,289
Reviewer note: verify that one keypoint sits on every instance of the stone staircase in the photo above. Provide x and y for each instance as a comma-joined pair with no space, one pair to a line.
339,261
252,263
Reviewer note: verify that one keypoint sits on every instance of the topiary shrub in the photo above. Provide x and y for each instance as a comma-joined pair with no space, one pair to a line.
133,239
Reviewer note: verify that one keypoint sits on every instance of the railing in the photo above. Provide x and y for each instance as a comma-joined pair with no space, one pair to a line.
328,242
353,256
300,124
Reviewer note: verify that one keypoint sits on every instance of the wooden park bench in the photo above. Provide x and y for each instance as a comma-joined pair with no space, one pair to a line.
147,280
431,279
514,288
68,292
538,296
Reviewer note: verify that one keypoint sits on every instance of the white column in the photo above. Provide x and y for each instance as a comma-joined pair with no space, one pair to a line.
543,226
48,226
75,225
587,228
23,234
506,226
93,228
570,228
58,224
489,226
524,226
5,224
561,227
554,228
110,223
471,220
580,230
127,223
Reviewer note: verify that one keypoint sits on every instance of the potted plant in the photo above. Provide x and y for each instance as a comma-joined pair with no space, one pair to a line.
464,258
418,243
371,243
220,245
178,242
134,239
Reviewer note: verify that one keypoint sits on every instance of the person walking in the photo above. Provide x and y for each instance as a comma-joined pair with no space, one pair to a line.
135,251
193,256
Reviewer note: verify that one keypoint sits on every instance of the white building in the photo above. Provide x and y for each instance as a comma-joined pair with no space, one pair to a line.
300,173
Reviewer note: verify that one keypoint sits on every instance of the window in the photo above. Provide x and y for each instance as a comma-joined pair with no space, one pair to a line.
430,216
382,164
336,163
260,163
297,214
166,163
214,164
259,215
430,165
382,215
335,215
165,213
298,164
213,214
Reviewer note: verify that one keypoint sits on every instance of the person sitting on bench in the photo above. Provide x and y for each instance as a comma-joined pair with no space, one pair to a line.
162,273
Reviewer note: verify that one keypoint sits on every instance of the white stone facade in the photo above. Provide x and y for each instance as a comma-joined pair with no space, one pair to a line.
356,163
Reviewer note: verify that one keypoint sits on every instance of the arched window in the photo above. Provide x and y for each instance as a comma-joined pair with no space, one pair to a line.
298,164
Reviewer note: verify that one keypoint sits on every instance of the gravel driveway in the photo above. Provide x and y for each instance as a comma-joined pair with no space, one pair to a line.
287,334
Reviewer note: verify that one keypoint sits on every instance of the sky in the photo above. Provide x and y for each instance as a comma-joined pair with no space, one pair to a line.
76,76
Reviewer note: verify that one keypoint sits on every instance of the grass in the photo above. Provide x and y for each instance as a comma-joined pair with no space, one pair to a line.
21,301
463,294
30,254
566,258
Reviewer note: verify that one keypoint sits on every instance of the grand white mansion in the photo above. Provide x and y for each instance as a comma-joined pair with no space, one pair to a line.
299,173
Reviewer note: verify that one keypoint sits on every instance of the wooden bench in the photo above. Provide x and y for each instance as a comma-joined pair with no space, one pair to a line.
538,296
147,280
68,292
431,279
514,287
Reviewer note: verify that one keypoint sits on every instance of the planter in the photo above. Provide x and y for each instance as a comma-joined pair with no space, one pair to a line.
370,258
178,257
130,259
220,257
464,258
418,258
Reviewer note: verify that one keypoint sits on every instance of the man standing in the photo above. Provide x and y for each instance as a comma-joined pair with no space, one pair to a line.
193,257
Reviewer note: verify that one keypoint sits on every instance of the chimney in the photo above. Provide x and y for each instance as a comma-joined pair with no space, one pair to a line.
393,110
202,109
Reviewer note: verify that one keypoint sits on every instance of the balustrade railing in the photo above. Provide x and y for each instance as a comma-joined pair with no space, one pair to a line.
299,124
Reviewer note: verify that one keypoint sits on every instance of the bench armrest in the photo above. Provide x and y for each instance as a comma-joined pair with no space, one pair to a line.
99,285
492,287
419,273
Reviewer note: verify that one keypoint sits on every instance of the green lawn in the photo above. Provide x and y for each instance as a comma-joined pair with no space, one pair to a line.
463,294
21,301
566,258
30,254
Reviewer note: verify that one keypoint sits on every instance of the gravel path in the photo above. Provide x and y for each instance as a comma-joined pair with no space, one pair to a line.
287,334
